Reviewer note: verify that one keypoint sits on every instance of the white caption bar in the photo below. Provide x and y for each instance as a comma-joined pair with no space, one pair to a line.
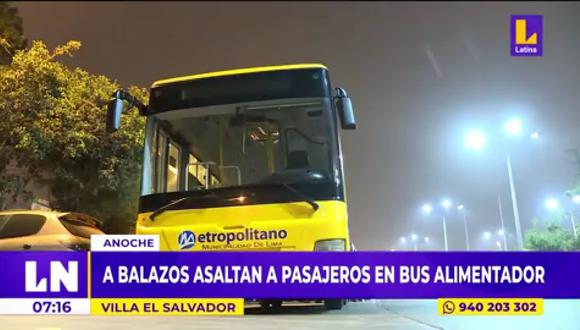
28,306
124,242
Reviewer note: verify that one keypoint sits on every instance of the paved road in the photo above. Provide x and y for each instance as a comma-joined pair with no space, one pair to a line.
367,315
558,314
388,314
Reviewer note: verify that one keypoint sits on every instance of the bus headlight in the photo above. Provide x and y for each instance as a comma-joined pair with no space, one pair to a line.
330,245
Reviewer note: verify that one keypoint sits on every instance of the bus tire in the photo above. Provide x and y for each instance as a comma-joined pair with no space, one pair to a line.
333,304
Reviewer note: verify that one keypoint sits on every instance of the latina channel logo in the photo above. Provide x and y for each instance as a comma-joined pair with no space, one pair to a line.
59,277
527,38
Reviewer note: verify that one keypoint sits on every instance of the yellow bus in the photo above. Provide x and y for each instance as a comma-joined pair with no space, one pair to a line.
244,160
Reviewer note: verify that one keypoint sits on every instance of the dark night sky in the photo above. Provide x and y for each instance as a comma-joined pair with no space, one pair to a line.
408,148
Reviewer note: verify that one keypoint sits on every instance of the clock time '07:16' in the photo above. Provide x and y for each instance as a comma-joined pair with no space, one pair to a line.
51,307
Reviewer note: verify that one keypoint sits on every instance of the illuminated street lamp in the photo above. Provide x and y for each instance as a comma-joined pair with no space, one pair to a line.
535,135
489,236
474,140
427,209
552,204
513,126
426,239
502,235
446,204
414,239
576,199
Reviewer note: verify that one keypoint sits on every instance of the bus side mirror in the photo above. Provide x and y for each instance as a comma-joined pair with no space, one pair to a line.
345,110
115,108
121,102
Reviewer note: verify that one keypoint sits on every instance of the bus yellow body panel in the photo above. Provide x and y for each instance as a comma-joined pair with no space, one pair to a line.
264,227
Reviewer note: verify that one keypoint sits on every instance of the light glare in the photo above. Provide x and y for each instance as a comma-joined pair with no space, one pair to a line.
427,208
446,204
552,204
474,140
513,126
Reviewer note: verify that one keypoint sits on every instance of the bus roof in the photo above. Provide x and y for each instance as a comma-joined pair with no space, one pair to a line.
239,71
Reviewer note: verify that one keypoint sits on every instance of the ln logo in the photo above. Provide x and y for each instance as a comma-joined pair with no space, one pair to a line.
526,35
186,240
58,276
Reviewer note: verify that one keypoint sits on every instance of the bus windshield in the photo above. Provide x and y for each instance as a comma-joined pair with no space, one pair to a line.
251,143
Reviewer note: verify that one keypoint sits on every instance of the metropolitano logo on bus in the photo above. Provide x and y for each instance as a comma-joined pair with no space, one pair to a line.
249,238
526,35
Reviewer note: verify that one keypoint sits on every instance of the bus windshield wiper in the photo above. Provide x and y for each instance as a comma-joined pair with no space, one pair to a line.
300,194
315,206
175,203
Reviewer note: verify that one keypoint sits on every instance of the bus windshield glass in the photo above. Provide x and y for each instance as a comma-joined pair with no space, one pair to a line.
280,141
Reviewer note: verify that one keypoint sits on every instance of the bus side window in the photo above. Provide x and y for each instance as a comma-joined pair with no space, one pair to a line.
173,167
160,162
192,173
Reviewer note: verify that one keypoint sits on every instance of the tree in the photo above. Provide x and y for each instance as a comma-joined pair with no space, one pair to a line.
553,238
52,125
11,33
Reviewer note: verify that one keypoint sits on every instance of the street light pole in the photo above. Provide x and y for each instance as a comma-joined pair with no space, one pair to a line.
461,208
574,200
427,209
573,223
466,233
445,233
514,203
504,236
446,204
